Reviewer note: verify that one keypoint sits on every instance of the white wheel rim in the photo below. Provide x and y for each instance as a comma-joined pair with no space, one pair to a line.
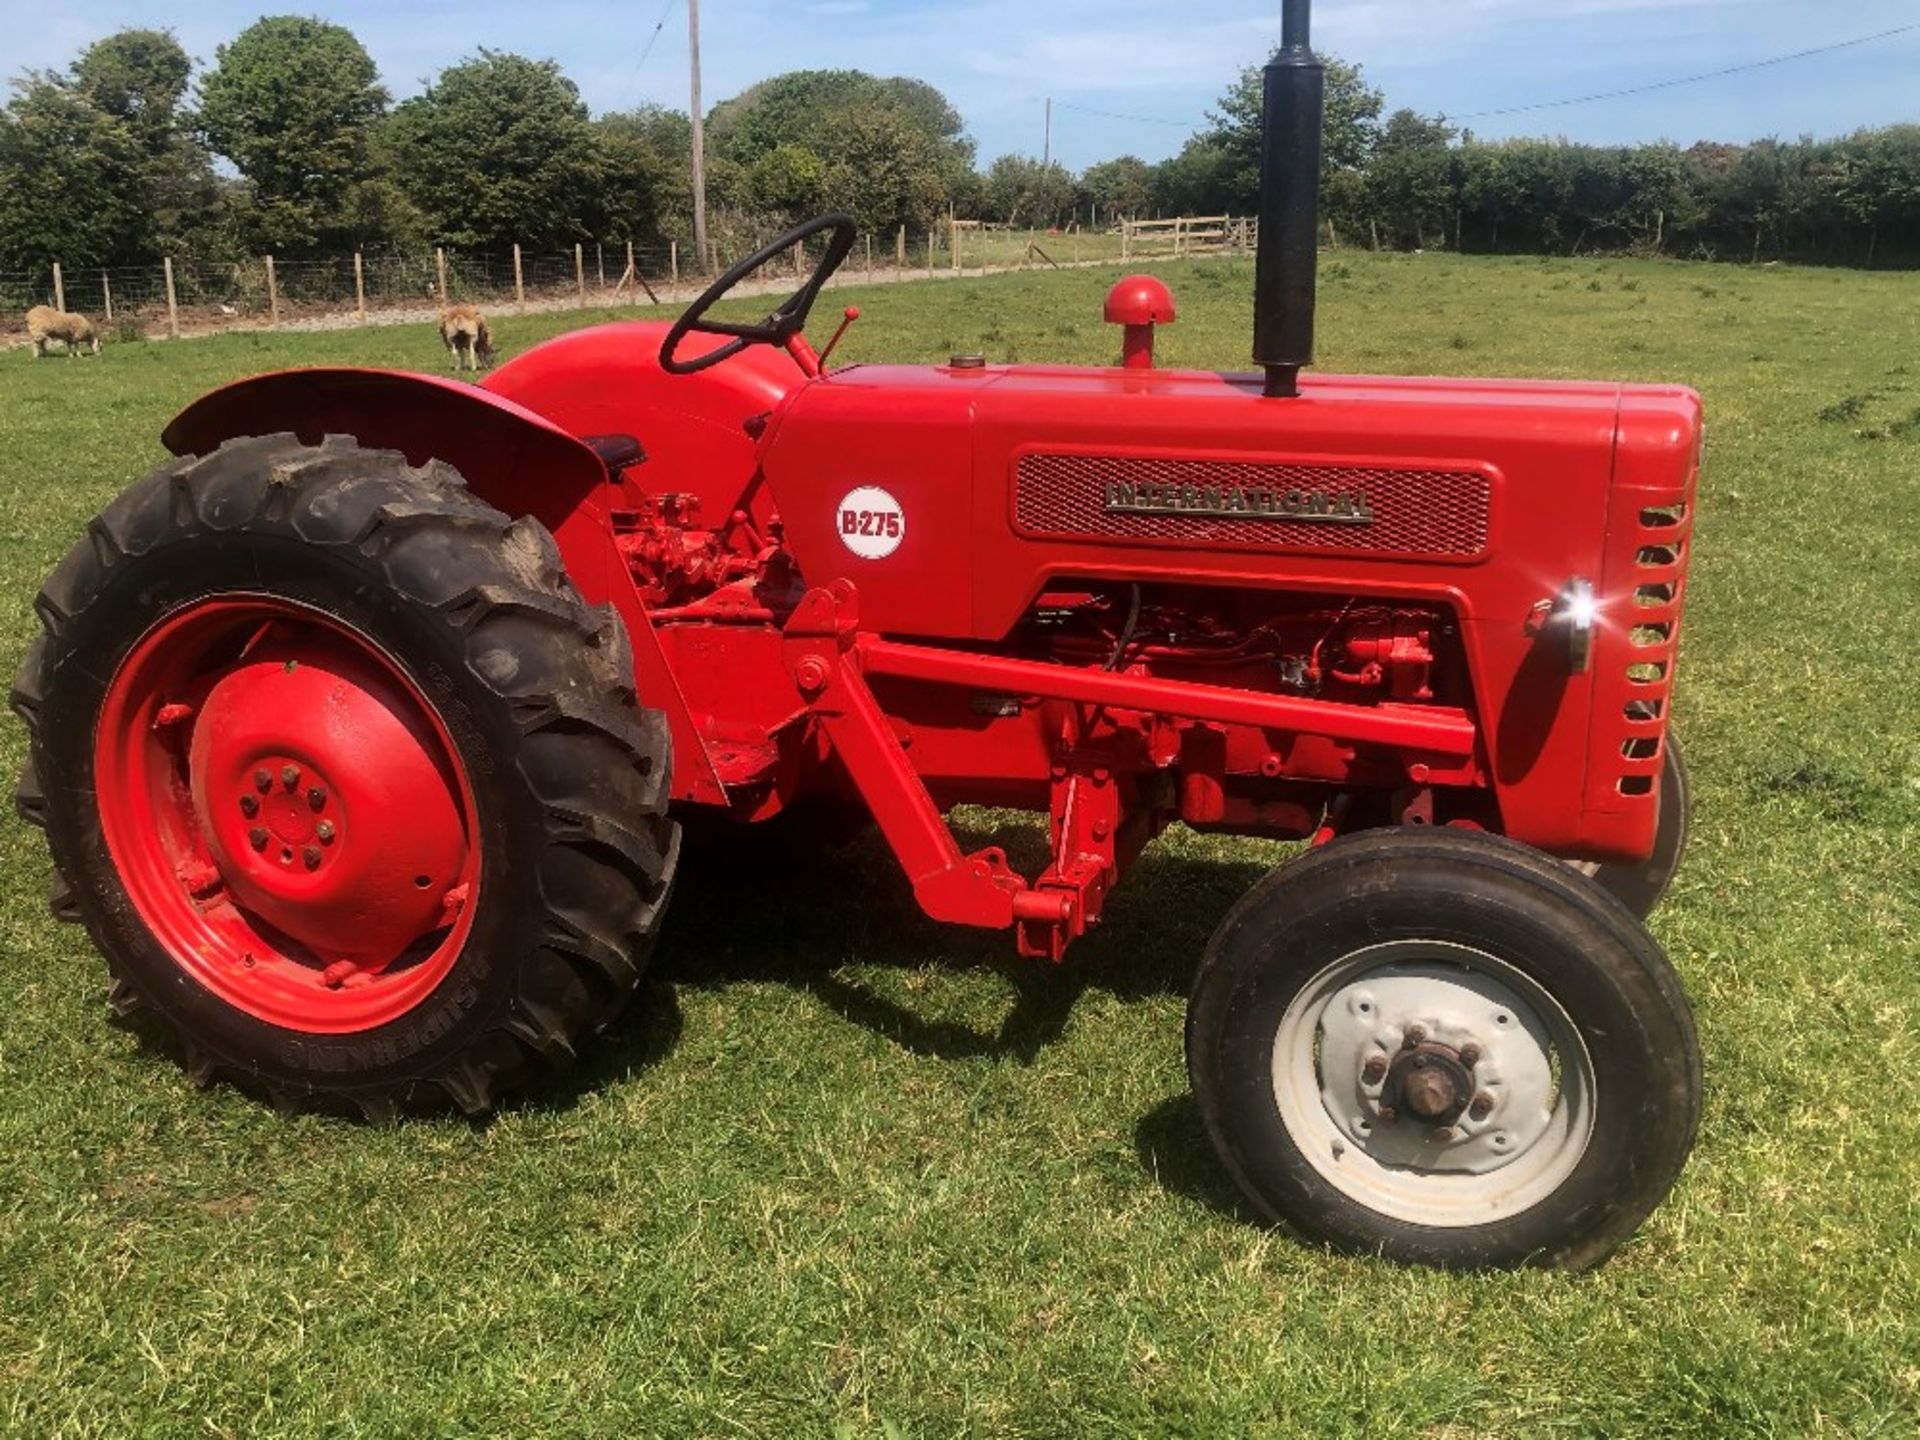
1532,1066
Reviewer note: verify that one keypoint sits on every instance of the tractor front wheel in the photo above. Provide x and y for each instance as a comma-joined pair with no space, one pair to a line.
344,779
1444,1048
1641,887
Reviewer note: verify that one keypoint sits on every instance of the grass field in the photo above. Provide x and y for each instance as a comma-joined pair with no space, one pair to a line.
845,1172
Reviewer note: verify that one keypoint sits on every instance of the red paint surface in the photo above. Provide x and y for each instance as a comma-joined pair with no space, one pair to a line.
227,693
930,676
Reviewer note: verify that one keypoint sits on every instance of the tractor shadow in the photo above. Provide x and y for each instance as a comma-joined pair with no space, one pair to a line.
766,908
1171,1141
802,915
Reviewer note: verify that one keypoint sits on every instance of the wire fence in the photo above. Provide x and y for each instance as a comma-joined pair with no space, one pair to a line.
181,296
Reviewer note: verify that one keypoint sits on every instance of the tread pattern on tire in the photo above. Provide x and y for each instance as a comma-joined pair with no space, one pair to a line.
1351,868
598,763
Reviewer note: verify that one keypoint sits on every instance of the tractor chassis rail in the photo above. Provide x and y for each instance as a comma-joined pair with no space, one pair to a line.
1100,818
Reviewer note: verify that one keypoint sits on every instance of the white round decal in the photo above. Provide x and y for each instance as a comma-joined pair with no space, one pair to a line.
871,523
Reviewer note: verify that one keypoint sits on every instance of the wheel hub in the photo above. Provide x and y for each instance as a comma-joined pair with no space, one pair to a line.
1435,1068
1430,1082
324,806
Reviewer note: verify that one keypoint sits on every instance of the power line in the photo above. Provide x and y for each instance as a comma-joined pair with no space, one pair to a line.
1688,79
1573,100
1116,115
647,49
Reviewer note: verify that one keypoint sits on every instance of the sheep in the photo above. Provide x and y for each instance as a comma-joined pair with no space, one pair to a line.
45,323
464,330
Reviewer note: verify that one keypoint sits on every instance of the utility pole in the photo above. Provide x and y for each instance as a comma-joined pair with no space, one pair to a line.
699,142
1046,145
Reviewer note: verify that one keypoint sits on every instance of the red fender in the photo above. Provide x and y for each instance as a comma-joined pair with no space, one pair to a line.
513,458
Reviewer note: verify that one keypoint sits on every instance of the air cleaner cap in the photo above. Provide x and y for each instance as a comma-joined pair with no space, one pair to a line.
1139,300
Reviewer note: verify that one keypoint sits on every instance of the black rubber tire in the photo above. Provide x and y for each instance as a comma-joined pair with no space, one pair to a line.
535,689
1642,887
1531,911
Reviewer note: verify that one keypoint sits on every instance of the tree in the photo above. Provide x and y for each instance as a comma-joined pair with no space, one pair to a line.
786,181
71,175
292,102
139,78
1877,184
1196,181
890,151
1120,187
885,170
500,150
1410,181
1352,124
646,193
1025,192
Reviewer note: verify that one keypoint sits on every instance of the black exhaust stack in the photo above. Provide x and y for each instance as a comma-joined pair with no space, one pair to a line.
1283,282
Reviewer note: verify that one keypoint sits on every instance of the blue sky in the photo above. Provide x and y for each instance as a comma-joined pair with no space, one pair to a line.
1159,61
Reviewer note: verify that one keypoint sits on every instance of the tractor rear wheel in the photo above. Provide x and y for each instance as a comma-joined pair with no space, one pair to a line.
1641,887
1446,1048
344,779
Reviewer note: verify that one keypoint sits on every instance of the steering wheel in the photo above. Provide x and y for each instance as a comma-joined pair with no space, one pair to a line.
783,324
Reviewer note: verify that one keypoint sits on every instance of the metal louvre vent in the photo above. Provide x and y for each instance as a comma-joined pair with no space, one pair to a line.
1253,504
1660,543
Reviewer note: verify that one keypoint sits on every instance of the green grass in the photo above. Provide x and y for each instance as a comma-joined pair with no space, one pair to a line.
847,1172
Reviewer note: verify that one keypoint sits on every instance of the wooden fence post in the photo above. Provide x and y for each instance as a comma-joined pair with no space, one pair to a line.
580,274
900,249
953,239
59,290
930,240
673,262
273,297
869,254
633,273
1126,239
440,274
173,310
600,264
106,293
519,283
360,286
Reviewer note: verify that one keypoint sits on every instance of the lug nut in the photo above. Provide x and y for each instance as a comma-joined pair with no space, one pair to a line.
262,781
1469,1055
1416,1035
1375,1068
325,831
1482,1106
290,776
312,856
316,798
249,806
1420,1061
257,837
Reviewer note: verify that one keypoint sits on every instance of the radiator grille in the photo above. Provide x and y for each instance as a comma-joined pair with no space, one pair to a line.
1414,512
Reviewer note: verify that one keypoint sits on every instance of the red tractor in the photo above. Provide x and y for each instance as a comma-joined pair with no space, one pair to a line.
361,732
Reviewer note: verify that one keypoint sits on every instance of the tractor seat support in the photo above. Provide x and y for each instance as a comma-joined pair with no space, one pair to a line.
616,452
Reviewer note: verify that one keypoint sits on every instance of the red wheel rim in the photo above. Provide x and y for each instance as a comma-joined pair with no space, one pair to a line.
287,813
